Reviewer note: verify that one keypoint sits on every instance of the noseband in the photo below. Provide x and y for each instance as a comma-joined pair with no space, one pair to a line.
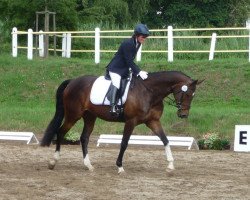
174,103
178,104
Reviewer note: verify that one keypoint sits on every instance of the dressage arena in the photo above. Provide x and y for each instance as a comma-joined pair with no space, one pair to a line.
198,175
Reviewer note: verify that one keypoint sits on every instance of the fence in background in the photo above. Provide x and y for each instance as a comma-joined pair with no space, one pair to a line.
98,35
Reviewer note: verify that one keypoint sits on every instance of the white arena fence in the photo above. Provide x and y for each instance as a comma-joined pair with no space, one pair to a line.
98,35
179,141
19,136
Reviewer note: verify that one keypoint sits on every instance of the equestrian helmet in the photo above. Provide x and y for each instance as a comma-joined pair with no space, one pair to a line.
141,29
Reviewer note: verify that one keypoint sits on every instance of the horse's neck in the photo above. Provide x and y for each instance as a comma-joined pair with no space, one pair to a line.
162,83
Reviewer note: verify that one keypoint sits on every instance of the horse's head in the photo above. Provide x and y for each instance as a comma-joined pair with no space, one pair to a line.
183,94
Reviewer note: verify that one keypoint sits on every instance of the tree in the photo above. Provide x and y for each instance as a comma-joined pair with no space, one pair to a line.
113,12
108,11
197,13
22,14
138,10
155,13
239,12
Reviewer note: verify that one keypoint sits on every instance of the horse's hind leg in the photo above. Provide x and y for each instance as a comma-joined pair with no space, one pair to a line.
128,129
60,135
89,122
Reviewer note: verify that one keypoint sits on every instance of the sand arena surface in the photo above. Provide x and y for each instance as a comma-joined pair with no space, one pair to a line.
198,175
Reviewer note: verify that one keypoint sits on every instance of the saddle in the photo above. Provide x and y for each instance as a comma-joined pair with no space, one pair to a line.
121,91
101,91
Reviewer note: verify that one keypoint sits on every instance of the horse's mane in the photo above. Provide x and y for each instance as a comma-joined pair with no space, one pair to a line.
170,75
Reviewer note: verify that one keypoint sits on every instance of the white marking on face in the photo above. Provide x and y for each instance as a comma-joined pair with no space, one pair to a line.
193,94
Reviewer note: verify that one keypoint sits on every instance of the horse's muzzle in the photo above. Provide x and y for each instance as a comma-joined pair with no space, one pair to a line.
182,113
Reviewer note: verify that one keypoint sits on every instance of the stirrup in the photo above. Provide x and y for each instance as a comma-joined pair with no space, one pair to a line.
114,110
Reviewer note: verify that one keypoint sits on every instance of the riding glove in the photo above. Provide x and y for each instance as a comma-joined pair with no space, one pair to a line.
143,75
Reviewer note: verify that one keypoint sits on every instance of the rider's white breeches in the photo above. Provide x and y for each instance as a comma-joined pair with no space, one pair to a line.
116,79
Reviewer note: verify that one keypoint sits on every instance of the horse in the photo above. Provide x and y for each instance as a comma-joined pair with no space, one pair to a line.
144,105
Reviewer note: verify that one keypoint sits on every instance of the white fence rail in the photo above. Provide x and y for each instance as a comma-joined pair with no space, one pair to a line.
188,142
19,136
99,35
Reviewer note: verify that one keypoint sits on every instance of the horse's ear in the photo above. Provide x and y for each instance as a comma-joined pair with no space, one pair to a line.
200,81
197,82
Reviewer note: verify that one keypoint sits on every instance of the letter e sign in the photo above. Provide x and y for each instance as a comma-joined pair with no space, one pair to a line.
242,138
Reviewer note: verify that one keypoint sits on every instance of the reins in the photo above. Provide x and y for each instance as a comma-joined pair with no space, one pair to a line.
172,103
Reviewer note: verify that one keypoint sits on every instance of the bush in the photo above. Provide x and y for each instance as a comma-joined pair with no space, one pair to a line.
212,141
72,136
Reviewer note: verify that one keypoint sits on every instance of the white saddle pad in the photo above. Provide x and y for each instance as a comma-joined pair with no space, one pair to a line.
100,89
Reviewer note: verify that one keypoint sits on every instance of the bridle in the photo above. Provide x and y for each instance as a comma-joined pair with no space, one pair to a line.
173,102
177,104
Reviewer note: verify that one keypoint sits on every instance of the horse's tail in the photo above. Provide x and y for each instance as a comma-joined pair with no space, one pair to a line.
56,122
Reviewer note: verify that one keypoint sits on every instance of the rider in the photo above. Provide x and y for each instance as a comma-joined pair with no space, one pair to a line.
124,60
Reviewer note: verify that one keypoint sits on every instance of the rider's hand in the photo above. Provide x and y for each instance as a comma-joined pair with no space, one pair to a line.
143,75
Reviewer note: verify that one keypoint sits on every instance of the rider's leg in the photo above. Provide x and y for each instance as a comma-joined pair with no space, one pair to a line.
116,80
113,101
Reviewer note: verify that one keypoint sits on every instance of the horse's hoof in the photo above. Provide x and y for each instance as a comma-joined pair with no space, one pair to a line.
171,166
121,170
170,172
91,168
52,164
170,169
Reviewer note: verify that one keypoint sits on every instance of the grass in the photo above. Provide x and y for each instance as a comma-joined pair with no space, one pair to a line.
222,101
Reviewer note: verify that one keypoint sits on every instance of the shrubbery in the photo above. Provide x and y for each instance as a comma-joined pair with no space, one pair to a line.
213,141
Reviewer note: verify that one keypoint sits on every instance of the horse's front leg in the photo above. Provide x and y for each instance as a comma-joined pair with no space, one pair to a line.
156,127
128,129
89,122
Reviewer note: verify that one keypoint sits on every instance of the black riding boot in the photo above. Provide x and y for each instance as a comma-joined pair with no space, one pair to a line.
113,100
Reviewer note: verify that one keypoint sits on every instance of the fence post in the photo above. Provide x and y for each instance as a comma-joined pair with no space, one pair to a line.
170,44
30,44
41,44
212,47
97,45
248,27
14,42
68,45
249,43
64,45
138,55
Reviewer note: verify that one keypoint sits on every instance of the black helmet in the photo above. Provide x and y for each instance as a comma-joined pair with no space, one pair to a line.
141,29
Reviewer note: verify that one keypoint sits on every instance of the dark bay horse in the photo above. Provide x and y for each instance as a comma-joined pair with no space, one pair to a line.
144,105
